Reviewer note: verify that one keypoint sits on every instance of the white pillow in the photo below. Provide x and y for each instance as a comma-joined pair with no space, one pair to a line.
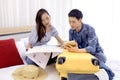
25,41
21,49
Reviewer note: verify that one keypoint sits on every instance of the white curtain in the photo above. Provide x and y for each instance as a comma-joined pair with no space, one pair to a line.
17,13
104,16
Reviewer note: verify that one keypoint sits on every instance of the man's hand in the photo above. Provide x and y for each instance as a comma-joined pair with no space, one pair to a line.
71,46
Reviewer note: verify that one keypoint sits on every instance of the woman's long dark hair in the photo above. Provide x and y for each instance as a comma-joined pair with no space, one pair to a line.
41,30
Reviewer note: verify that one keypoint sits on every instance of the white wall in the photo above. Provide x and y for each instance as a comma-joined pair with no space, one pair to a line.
104,16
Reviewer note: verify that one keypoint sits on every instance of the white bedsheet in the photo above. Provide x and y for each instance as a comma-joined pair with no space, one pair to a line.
5,73
115,66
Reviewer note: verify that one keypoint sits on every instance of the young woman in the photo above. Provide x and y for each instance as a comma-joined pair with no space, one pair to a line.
42,32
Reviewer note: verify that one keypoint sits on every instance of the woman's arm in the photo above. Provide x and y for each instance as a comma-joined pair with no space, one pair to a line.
59,40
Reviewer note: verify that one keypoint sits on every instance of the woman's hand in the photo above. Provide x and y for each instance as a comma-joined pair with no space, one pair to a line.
28,46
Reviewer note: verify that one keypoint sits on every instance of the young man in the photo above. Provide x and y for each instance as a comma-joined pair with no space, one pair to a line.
86,39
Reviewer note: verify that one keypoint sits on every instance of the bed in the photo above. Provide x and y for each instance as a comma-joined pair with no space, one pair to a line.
5,73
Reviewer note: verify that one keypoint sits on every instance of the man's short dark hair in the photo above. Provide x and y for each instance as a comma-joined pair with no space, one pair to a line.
76,13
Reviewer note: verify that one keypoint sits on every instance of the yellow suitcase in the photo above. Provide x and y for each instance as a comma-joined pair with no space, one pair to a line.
81,63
